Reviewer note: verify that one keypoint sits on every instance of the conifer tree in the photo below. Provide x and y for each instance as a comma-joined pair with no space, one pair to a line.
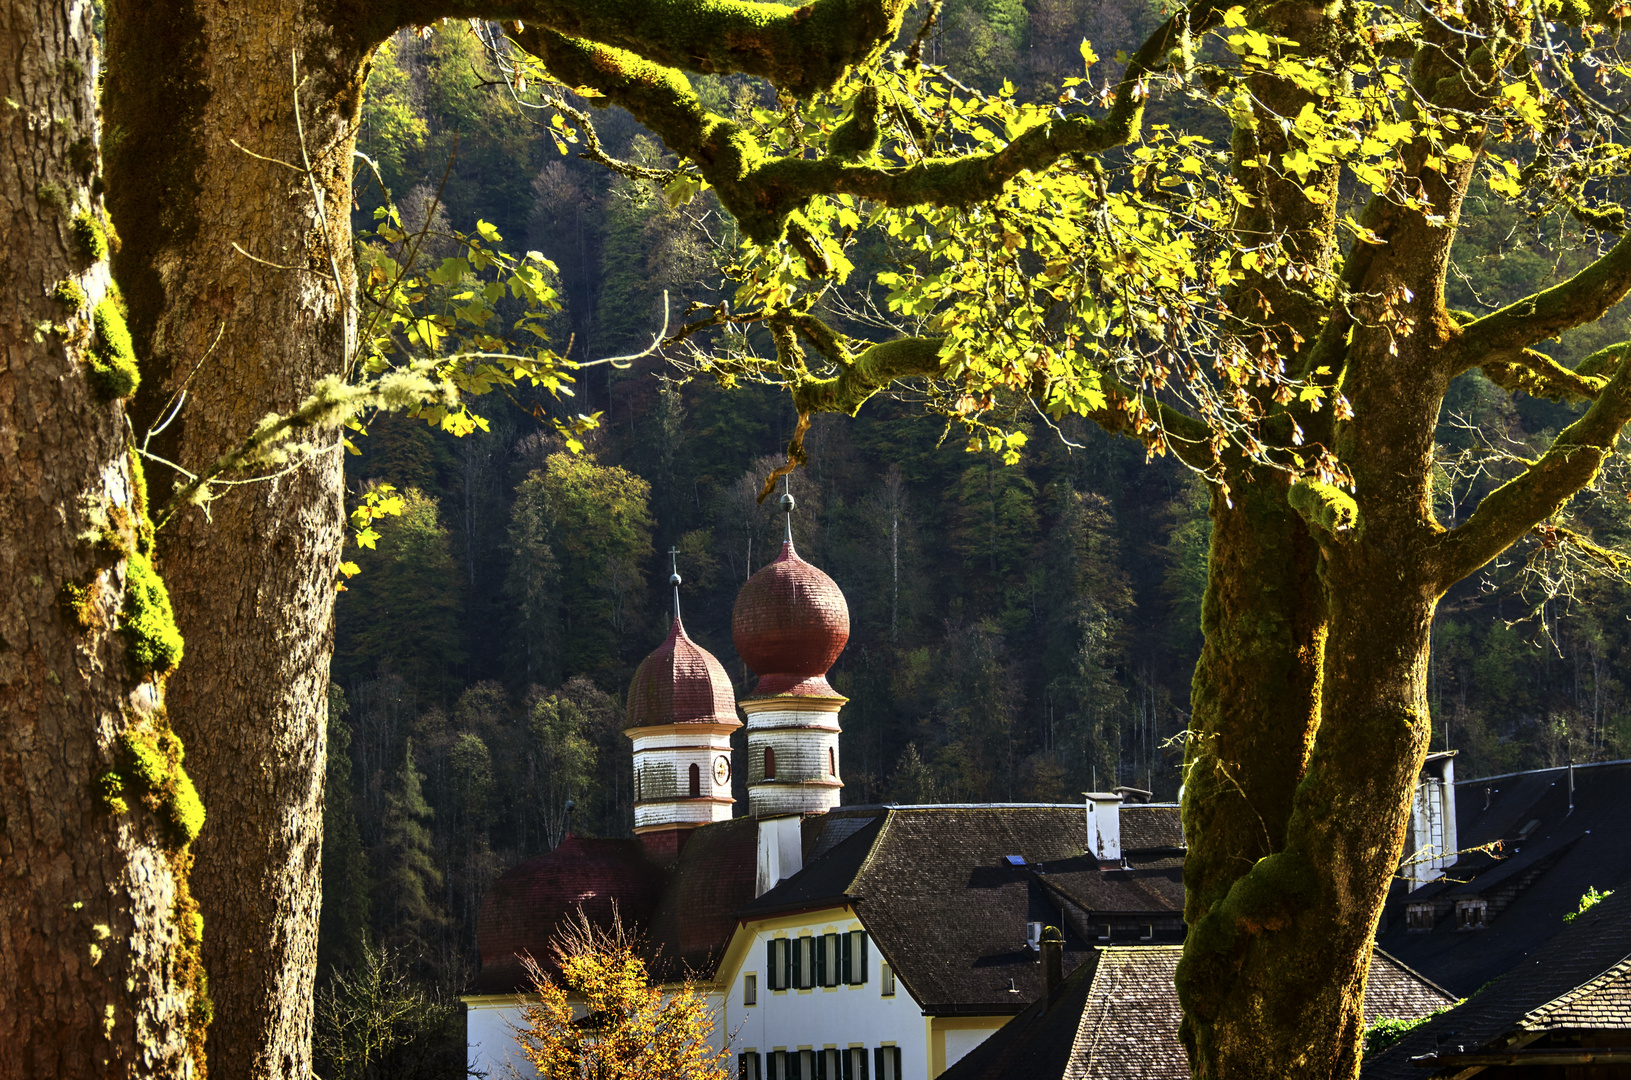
407,881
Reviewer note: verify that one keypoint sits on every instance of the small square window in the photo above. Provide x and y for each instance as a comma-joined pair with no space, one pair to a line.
750,989
886,979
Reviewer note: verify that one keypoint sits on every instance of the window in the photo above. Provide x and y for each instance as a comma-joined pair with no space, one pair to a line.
852,958
886,980
855,1063
805,957
1469,914
748,1066
770,764
1419,916
750,989
832,762
791,1065
636,785
887,1061
778,963
1104,931
696,781
829,1064
1149,933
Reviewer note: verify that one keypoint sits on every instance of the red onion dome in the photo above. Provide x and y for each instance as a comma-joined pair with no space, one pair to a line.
790,624
606,879
680,683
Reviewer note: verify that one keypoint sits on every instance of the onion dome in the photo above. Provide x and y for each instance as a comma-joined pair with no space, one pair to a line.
790,623
680,683
530,903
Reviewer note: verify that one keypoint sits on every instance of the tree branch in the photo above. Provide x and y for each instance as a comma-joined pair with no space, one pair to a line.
1501,337
802,50
1512,509
763,192
1539,375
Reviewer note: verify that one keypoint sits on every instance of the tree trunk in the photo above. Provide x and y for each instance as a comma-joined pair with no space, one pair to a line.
243,338
99,973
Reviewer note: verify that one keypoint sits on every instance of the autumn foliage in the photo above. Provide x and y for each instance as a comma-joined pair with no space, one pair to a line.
602,1018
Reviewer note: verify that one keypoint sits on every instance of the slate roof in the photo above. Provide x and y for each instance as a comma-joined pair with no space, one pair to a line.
1565,852
1581,980
1116,1018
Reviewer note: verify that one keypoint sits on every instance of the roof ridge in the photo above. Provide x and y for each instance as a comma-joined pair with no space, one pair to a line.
1101,1017
1377,950
1537,1015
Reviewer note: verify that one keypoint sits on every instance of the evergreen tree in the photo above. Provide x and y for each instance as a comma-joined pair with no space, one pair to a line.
533,587
342,931
407,881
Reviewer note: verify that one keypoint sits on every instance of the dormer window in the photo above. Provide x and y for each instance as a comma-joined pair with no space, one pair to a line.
1471,914
1419,916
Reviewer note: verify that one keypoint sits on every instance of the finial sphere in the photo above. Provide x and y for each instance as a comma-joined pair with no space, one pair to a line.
674,580
788,503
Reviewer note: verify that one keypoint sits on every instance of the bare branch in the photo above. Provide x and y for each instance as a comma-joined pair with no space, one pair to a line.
1511,510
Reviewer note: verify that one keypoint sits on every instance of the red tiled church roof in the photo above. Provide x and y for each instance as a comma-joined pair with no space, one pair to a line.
680,683
526,904
790,623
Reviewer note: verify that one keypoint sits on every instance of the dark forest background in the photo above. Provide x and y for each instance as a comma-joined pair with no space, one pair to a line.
1019,633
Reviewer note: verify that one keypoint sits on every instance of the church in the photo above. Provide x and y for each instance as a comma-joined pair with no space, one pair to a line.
835,942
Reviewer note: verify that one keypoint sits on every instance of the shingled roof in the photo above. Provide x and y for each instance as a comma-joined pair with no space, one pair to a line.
1581,982
945,905
714,876
1549,854
1116,1018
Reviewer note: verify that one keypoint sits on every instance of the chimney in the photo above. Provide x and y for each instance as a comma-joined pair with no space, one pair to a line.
1053,957
1104,826
781,851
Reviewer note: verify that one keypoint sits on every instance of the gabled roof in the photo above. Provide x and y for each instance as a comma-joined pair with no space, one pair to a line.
1563,851
1580,981
937,893
1116,1018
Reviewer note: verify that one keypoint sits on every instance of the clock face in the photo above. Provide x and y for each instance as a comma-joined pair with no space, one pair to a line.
722,770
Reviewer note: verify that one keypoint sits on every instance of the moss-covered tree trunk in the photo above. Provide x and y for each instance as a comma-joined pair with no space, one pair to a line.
242,333
98,961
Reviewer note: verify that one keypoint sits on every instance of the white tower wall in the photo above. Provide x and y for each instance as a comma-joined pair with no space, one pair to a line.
663,757
803,735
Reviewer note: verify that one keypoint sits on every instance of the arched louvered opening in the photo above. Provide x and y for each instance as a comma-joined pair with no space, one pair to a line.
770,764
696,781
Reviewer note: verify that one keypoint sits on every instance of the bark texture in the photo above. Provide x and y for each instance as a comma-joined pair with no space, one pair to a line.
98,958
186,81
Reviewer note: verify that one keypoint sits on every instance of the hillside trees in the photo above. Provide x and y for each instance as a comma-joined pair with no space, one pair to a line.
99,965
1230,308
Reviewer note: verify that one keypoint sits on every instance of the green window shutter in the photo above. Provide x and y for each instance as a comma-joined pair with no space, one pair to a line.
844,967
818,945
860,944
770,966
877,1058
798,966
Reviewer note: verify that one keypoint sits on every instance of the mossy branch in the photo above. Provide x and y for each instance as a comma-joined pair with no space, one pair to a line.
802,50
1326,508
762,192
331,404
1533,496
1540,376
1503,336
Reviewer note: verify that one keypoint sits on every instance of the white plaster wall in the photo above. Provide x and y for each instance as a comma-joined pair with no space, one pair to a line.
959,1043
838,1016
663,763
490,1038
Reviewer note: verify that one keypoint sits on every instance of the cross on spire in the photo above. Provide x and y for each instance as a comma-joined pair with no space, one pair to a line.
674,578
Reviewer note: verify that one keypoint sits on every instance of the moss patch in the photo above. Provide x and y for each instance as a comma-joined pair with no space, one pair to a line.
152,639
89,237
112,358
78,602
70,295
150,768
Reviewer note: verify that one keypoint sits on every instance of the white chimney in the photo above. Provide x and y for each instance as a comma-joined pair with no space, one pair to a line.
1431,845
1104,825
781,851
